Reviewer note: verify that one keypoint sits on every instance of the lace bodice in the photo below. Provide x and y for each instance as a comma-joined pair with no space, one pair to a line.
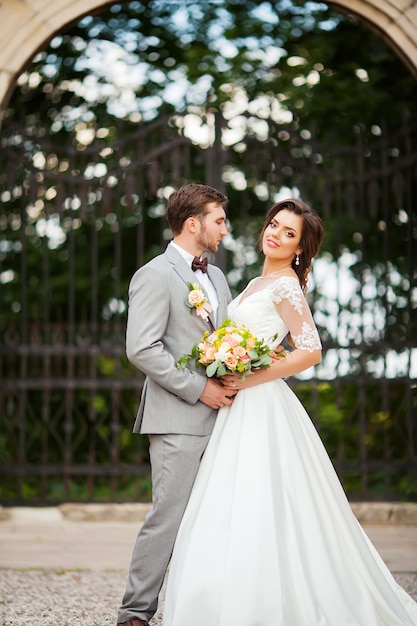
279,308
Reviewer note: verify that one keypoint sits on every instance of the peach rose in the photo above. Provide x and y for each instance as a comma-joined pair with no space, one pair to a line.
208,354
231,361
196,297
240,352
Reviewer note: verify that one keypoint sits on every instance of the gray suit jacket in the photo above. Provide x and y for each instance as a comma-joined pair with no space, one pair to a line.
160,329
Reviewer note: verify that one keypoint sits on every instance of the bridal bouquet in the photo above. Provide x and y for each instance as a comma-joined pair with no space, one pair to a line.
232,348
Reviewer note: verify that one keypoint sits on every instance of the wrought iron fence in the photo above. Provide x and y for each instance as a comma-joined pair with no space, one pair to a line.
77,221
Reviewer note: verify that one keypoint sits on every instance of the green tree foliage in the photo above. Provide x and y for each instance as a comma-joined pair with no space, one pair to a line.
325,68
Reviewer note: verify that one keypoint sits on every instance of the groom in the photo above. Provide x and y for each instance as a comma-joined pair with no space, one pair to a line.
178,406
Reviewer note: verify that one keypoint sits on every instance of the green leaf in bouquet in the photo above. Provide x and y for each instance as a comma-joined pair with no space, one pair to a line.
211,369
222,369
264,360
187,358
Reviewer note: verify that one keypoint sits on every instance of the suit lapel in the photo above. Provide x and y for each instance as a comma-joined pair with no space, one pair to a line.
219,286
180,266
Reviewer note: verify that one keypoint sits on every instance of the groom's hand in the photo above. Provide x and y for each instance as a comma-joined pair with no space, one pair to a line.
278,353
215,395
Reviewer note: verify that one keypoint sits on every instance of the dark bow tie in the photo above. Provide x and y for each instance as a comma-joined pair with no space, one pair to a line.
199,265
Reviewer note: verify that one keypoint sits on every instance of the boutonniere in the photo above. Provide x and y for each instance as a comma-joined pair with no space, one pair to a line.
197,300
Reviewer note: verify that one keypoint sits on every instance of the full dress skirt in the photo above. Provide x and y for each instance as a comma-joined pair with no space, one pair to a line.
268,537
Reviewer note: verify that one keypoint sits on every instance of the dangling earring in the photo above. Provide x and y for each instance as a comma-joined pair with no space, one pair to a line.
297,260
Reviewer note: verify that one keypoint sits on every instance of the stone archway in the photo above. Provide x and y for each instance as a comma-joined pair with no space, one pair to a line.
397,24
26,25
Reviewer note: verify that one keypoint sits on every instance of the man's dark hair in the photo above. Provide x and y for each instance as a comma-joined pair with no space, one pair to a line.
191,200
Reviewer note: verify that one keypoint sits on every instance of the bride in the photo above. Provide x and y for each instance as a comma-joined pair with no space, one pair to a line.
268,537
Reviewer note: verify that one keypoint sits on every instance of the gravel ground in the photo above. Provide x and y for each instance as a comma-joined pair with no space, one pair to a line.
65,598
61,598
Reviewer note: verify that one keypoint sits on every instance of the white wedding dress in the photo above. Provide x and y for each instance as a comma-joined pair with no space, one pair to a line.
268,537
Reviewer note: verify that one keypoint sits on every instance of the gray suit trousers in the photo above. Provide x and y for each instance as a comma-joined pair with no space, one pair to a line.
175,459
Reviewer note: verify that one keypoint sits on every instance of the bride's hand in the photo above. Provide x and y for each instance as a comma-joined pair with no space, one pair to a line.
232,381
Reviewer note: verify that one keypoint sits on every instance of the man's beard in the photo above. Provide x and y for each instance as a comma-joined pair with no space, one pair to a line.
204,242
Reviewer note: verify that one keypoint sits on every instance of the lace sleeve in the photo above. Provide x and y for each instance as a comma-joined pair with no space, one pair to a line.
292,306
